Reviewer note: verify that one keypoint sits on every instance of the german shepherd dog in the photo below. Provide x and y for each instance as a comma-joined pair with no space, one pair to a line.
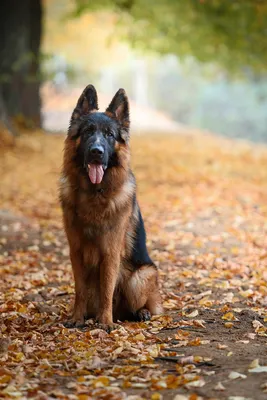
115,278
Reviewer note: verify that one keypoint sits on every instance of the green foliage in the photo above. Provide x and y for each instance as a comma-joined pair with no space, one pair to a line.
231,33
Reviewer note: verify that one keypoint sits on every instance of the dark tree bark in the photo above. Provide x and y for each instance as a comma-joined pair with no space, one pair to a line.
20,37
7,129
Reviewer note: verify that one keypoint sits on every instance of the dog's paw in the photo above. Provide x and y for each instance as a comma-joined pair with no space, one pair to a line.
73,323
143,315
108,327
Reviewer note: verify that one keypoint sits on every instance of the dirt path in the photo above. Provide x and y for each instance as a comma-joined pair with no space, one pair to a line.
205,212
58,106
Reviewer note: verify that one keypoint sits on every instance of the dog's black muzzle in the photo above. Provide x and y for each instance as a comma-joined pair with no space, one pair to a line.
96,153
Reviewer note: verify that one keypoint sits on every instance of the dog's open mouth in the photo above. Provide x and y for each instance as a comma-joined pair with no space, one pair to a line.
96,173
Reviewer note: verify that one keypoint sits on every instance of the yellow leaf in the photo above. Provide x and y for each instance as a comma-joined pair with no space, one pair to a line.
229,316
140,336
156,396
83,397
19,356
12,392
246,293
22,309
102,381
5,379
206,301
254,364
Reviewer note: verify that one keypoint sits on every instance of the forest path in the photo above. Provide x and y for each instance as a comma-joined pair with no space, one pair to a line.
204,204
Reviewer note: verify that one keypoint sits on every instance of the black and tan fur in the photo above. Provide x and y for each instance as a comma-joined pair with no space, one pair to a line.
115,278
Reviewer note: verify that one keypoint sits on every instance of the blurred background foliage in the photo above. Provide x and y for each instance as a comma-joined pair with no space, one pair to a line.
231,34
203,62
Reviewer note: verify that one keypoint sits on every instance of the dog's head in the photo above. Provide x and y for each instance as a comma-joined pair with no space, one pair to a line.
99,135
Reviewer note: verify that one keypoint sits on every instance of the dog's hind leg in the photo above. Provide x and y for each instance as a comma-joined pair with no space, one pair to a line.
142,293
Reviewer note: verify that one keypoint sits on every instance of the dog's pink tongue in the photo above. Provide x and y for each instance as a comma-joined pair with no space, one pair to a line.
96,173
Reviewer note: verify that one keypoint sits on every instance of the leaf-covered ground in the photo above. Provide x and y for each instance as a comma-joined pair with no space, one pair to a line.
204,202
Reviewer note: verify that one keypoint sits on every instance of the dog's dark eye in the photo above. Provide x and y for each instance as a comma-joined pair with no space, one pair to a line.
91,128
109,133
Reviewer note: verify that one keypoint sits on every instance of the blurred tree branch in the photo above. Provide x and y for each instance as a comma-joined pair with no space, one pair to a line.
232,34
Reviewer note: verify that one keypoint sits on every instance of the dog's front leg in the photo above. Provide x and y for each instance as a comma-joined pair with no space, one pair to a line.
111,249
79,271
109,270
80,277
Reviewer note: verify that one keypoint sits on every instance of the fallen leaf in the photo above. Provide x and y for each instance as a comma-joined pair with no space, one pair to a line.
221,346
236,375
140,336
12,392
4,343
258,369
199,322
239,398
203,294
219,387
193,314
251,335
229,317
254,364
156,396
197,383
187,360
256,324
96,363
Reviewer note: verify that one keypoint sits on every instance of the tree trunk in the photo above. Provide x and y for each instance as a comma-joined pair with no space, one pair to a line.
20,36
7,129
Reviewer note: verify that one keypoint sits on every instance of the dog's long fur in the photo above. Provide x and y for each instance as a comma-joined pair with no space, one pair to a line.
115,278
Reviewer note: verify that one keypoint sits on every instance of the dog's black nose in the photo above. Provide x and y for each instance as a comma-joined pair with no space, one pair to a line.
97,150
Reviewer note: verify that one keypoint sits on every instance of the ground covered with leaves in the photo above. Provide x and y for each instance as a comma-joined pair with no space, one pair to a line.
204,202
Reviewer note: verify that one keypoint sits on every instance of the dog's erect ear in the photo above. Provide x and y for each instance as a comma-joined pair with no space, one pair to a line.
87,103
119,108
